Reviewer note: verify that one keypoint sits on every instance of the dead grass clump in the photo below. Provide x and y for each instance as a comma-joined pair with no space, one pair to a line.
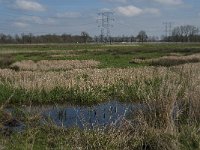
173,60
169,60
46,65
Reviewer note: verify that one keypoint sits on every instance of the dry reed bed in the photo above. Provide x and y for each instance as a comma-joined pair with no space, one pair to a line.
151,84
82,78
45,65
170,60
191,100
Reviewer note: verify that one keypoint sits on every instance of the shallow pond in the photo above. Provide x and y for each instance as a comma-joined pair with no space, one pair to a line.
109,113
100,115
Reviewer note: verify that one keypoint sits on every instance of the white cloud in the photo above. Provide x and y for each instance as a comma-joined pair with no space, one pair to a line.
29,5
131,11
21,24
170,2
68,15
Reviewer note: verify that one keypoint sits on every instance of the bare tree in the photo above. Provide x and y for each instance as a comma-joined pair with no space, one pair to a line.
142,36
187,33
85,36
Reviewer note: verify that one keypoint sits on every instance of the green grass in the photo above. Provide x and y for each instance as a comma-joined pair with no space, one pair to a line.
47,47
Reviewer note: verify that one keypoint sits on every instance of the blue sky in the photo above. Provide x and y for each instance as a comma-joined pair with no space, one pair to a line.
75,16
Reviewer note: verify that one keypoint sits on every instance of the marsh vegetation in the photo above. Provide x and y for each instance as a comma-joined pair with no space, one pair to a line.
163,78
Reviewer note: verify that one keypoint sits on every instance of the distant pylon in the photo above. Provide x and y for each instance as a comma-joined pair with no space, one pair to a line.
168,28
104,20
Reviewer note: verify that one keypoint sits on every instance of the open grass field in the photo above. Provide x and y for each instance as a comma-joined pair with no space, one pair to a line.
165,78
119,56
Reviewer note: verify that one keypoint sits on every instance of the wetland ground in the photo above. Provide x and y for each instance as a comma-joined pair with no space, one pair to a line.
163,77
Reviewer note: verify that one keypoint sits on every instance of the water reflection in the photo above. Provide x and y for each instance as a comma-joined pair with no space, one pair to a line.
110,113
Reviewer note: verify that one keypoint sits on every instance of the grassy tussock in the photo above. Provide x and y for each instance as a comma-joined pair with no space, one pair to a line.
45,65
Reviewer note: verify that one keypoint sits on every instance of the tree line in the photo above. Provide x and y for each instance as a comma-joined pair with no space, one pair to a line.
84,37
48,38
187,33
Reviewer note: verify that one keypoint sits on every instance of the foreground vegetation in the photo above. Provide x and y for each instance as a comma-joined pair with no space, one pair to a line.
166,81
